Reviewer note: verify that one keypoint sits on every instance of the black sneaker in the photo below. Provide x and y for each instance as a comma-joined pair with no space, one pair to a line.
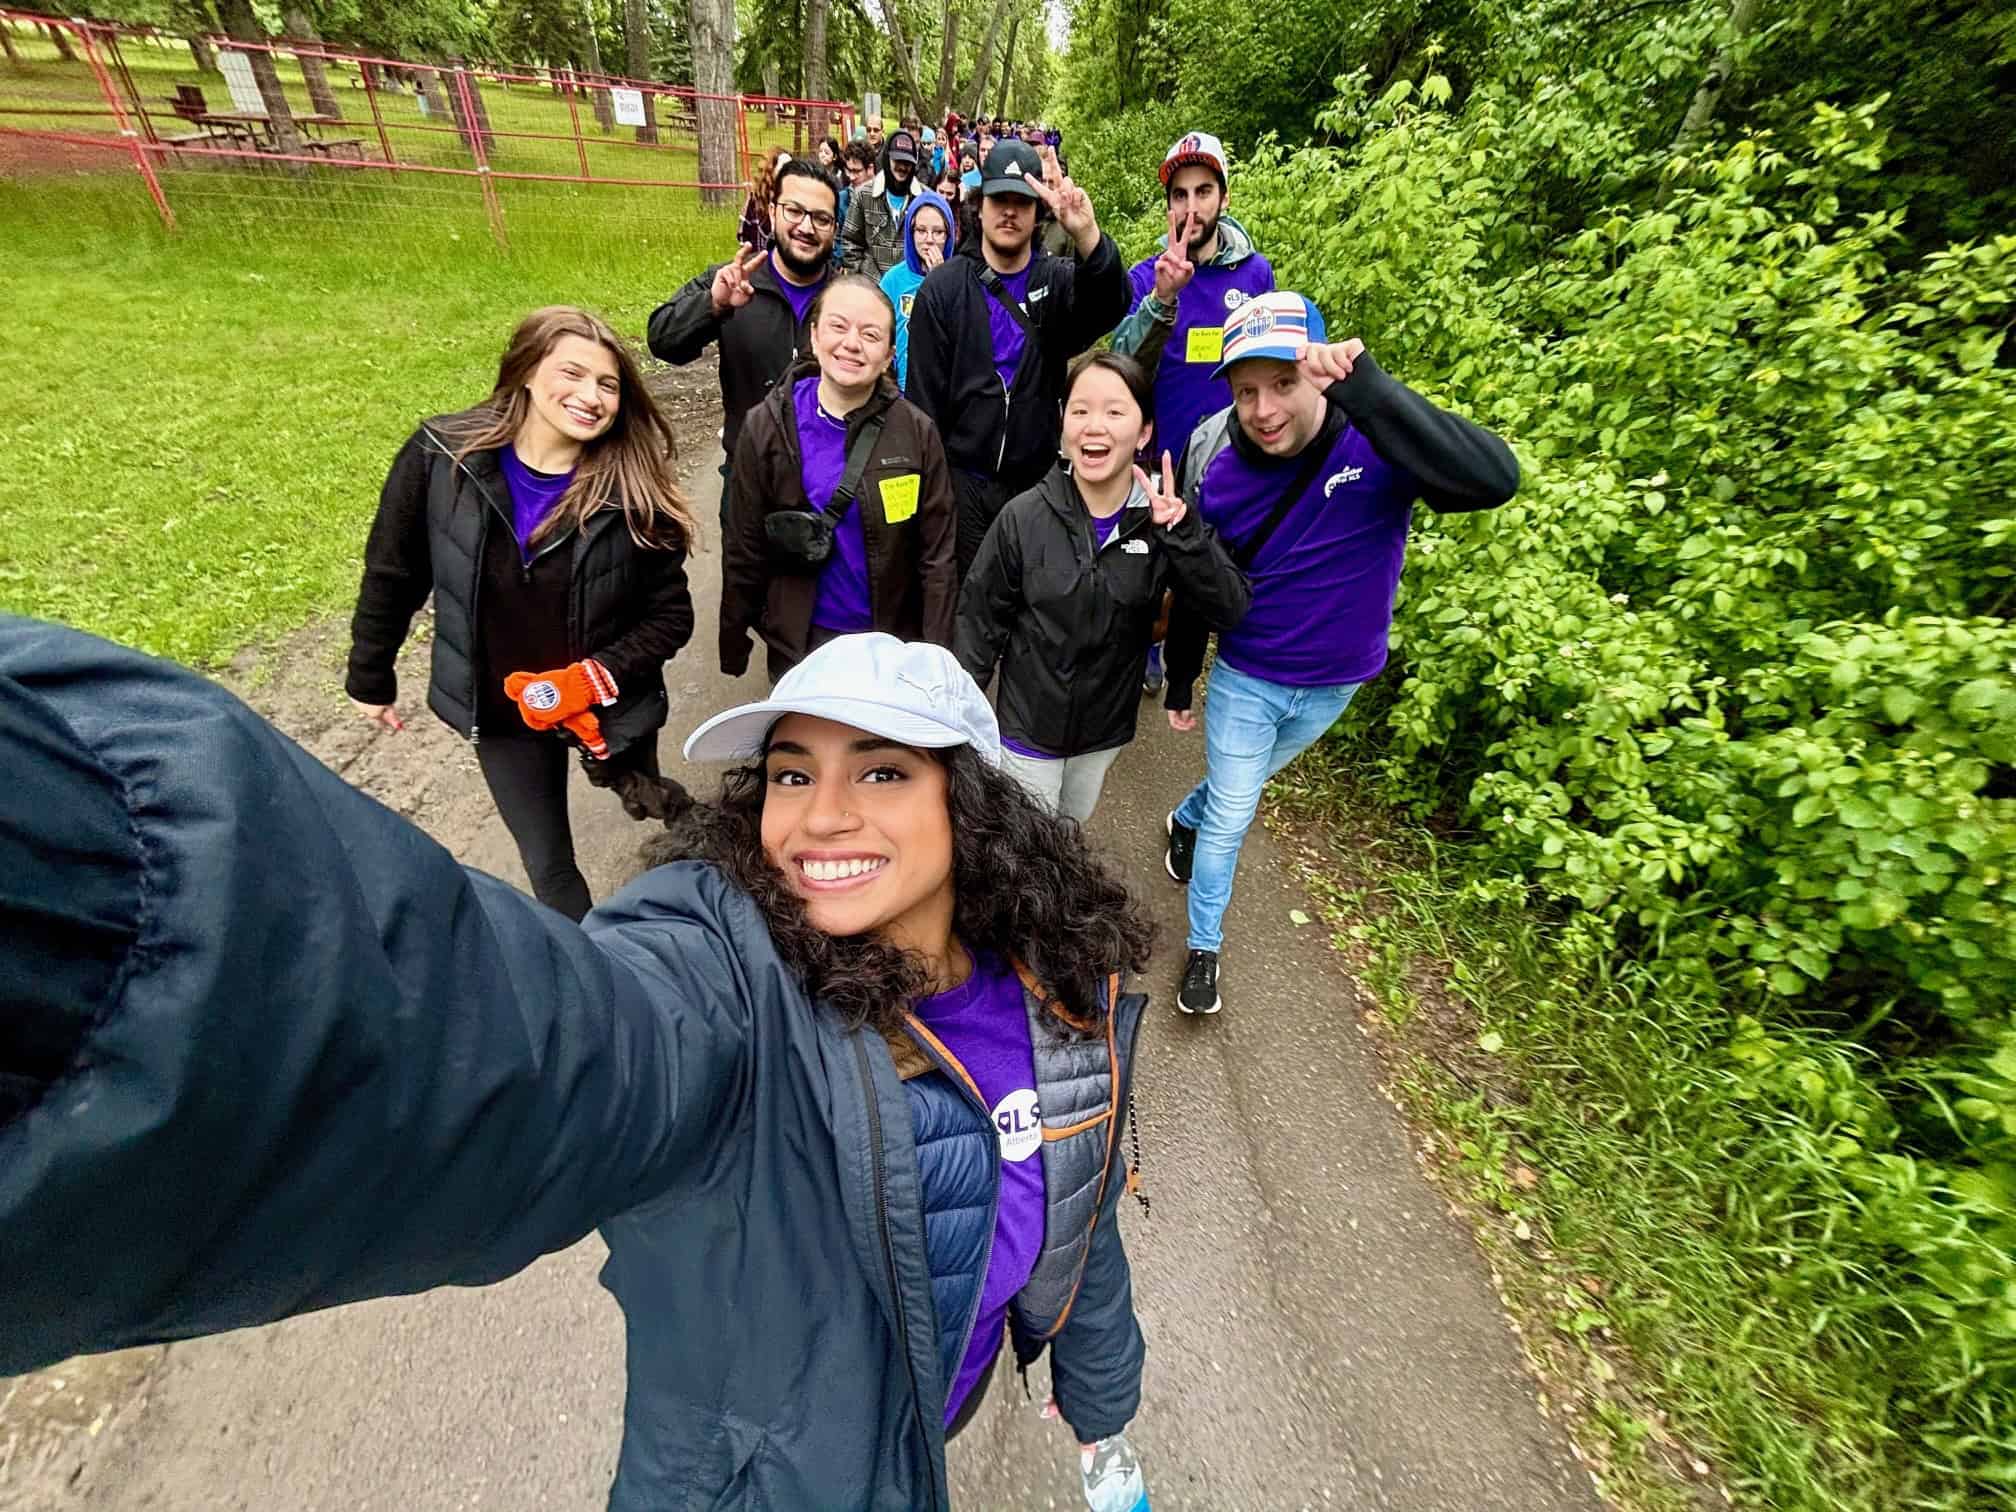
1182,852
1199,992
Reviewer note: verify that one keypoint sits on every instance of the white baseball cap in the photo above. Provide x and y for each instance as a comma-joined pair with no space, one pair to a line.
1279,325
911,692
1197,147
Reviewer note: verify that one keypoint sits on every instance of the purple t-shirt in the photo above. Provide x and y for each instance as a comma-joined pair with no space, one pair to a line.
800,295
986,1027
842,603
1005,329
1185,391
1323,585
534,495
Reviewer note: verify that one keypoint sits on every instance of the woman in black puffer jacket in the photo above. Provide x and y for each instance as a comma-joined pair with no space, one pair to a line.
548,526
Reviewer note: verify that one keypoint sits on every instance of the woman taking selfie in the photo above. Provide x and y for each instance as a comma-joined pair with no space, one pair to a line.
848,1105
1068,584
547,524
839,513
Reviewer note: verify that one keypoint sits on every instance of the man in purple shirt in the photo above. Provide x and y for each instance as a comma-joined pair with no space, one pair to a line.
1310,479
1204,271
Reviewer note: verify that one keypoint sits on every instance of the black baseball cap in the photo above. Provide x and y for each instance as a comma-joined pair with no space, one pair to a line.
1009,168
903,148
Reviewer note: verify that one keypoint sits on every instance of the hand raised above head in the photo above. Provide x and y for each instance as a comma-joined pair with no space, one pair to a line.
1324,365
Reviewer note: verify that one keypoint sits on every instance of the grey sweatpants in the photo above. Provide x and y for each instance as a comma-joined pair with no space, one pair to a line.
1067,785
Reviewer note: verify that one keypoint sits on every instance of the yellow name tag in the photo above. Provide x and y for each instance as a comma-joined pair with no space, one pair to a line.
1206,344
899,497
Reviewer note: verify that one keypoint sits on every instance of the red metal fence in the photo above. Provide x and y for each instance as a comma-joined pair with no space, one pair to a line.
192,117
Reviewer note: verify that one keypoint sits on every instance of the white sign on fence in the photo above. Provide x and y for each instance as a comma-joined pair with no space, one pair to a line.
629,106
245,96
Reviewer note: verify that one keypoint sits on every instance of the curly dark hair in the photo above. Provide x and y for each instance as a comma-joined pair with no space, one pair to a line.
1026,888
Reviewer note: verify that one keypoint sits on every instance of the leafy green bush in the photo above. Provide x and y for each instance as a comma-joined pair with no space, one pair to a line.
1729,687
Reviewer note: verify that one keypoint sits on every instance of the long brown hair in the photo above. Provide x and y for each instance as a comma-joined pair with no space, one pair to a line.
763,182
630,465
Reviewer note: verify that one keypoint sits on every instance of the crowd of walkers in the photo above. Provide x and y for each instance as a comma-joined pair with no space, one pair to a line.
846,1092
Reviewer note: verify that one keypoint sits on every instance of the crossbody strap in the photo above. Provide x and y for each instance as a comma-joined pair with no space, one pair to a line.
1243,555
857,464
991,282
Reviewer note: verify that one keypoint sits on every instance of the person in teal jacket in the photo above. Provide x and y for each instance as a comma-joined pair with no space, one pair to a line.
924,247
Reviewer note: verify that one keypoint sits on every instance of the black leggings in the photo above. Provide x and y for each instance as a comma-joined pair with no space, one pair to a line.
527,775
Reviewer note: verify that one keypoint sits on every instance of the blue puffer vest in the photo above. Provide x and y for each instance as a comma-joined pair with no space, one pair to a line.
1082,1083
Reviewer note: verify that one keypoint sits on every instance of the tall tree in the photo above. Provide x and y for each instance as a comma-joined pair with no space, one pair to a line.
815,62
637,45
62,40
242,25
711,28
300,28
1742,21
591,55
7,43
1001,9
904,63
1008,67
948,58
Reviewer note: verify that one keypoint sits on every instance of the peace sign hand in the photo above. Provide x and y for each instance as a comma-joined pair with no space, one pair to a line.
1071,205
1165,508
1173,269
732,288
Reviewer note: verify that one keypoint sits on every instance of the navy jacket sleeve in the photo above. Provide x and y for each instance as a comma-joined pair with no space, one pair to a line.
398,576
1459,464
1097,1357
268,1048
744,555
682,327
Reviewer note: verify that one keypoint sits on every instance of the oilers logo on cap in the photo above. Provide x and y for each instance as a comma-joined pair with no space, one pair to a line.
1277,325
541,695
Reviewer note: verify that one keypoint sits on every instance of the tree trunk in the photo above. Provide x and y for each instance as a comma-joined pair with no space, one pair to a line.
62,40
637,44
1742,21
294,16
903,61
948,57
773,80
243,26
7,41
206,60
598,99
815,65
710,26
1008,67
987,57
472,116
427,84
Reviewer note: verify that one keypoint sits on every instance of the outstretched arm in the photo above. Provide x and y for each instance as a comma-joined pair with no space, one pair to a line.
268,1048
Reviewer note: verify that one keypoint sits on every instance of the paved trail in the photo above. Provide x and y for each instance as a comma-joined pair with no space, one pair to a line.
1321,1332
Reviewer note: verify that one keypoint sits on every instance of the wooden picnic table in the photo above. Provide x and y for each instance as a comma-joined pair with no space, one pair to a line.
256,131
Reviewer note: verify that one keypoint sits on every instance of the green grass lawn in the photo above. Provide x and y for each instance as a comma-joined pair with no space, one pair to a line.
196,425
43,83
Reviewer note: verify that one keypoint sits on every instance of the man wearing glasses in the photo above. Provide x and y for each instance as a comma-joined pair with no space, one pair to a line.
755,305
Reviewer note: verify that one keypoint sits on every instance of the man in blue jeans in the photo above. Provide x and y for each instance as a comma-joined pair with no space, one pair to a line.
1310,478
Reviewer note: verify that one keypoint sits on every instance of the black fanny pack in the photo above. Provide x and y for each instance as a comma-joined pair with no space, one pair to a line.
804,537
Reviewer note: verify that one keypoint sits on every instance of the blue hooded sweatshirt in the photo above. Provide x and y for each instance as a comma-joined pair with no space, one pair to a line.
901,282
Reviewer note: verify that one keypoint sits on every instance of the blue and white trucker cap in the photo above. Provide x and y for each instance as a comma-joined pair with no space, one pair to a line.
911,692
1269,325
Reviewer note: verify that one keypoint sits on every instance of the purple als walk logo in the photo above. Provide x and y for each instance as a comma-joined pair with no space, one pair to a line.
1020,1123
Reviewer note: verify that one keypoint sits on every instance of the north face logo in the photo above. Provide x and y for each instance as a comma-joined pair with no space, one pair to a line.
1348,475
